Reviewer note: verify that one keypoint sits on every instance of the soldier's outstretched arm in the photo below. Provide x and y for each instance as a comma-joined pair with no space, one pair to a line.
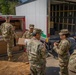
24,35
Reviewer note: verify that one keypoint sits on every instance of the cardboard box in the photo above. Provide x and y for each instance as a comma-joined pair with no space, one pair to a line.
21,41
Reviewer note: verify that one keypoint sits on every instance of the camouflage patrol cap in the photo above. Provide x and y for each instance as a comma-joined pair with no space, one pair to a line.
64,31
37,31
31,26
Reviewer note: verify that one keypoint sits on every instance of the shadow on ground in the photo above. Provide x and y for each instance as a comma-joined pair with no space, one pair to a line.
52,71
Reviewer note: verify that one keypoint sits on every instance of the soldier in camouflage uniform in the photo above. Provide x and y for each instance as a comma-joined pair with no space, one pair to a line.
8,36
28,34
36,54
62,49
72,64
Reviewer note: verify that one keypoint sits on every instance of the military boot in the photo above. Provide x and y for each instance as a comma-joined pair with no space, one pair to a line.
27,62
10,58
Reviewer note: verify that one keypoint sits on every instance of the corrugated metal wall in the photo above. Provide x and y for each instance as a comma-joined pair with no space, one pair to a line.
35,12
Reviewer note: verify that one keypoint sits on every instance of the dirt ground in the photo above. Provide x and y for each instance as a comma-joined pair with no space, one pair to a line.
14,68
21,68
17,67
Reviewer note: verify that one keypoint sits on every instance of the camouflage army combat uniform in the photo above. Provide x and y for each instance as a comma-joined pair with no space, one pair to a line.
8,37
72,64
28,34
63,53
37,56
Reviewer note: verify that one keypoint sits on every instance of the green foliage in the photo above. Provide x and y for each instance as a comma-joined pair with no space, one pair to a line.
12,7
8,6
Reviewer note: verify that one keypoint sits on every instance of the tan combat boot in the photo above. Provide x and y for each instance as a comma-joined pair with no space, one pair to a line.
10,58
27,62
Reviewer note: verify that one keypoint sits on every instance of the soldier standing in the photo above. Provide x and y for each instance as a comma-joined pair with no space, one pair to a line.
72,64
62,49
8,36
36,54
28,34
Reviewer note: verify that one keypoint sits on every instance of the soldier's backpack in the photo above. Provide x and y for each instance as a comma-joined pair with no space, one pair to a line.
6,30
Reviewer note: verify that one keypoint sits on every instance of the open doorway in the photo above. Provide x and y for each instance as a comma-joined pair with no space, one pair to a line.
62,16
